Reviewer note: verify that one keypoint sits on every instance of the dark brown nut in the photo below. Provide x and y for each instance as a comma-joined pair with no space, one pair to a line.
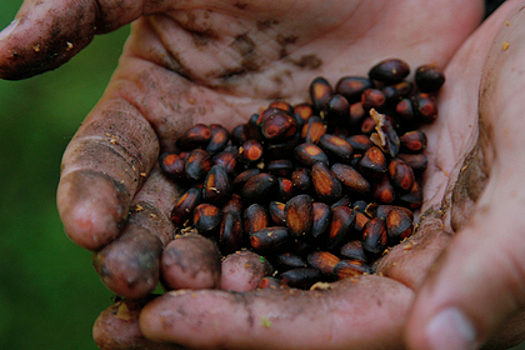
230,233
323,261
280,167
368,126
301,278
238,135
401,174
198,164
351,268
283,150
269,282
184,155
360,221
228,159
218,140
356,114
302,112
279,126
322,216
252,129
373,163
390,71
374,236
308,154
270,239
394,93
352,87
255,218
250,152
344,200
320,92
343,220
351,179
207,219
381,211
184,206
327,188
267,113
360,143
425,107
197,136
313,129
286,189
359,205
241,179
429,78
299,215
259,188
216,188
282,105
383,191
398,224
301,180
336,148
373,98
276,211
287,261
418,162
172,166
413,141
414,198
336,110
234,204
353,251
405,110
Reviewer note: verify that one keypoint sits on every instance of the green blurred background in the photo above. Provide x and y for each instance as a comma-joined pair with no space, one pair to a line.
49,293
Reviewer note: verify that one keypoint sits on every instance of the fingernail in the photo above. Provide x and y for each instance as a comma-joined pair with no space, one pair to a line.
451,330
9,29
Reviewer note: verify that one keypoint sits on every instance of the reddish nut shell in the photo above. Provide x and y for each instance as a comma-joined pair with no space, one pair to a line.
207,219
373,98
258,188
282,105
279,126
375,236
429,77
219,138
323,261
352,87
230,232
277,213
255,218
418,162
216,188
336,148
389,71
413,141
228,159
351,179
353,251
302,112
196,136
270,239
401,174
172,166
302,181
302,278
343,220
322,216
185,205
313,129
250,152
299,218
336,109
308,154
327,187
398,224
383,191
360,143
320,92
350,268
394,93
373,163
198,164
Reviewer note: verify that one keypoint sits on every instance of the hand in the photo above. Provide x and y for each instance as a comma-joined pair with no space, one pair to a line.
160,88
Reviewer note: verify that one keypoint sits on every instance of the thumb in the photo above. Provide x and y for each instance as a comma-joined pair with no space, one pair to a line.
47,34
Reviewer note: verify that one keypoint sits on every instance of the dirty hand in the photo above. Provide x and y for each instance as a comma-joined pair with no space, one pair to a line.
182,65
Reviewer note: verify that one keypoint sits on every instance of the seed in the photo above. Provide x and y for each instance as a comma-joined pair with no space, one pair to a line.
353,251
196,136
185,205
383,191
418,162
172,166
228,159
326,185
287,261
425,107
343,219
241,179
252,128
258,188
230,233
398,224
320,92
343,201
368,126
234,204
336,148
207,219
322,216
323,261
360,143
313,129
308,154
279,126
401,174
372,98
276,211
238,135
381,211
336,109
405,110
269,282
255,218
283,105
280,167
360,221
350,268
286,189
389,71
395,92
250,152
217,188
302,181
351,179
299,218
429,77
301,278
282,150
413,141
218,140
269,239
373,163
374,236
352,87
198,164
356,114
414,198
302,112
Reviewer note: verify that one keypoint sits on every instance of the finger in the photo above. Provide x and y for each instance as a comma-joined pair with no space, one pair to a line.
479,283
243,271
363,313
129,266
117,328
47,34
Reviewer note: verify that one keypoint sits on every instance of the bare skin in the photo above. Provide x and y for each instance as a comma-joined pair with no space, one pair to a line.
183,65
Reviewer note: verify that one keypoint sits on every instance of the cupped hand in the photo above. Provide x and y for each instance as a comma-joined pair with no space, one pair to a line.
219,62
